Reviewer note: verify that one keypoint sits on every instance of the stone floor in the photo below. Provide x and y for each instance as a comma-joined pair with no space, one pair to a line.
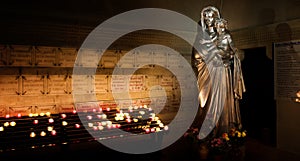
255,151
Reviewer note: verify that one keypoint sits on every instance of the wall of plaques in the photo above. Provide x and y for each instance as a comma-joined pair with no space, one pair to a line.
37,79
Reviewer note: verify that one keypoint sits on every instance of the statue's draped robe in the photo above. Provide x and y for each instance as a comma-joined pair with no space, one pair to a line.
220,87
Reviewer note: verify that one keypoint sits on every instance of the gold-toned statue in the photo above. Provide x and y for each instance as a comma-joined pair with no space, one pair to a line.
219,72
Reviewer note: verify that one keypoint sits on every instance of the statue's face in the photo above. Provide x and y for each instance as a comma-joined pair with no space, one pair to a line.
209,18
220,27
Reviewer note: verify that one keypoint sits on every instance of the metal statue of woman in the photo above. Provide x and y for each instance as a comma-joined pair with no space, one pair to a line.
220,79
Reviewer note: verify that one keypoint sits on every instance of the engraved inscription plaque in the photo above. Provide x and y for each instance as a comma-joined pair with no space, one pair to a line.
33,85
67,56
143,58
9,85
136,83
100,82
160,59
119,83
23,110
45,56
89,57
21,55
109,59
57,84
127,60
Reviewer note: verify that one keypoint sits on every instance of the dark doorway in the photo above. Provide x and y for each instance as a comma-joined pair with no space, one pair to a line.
258,108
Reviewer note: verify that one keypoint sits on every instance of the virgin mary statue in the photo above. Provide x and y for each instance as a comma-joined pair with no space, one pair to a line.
220,80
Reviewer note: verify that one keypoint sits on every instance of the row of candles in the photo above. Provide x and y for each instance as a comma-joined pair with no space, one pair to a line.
101,124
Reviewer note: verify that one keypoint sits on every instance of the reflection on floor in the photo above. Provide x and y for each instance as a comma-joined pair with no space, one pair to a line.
179,151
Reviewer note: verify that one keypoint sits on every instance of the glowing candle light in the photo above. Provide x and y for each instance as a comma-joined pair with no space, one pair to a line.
103,123
1,128
117,118
74,112
35,121
90,124
64,123
147,130
100,127
94,110
6,124
32,134
109,126
89,117
104,116
152,130
128,120
135,120
99,116
43,133
63,115
42,114
48,114
50,128
107,109
19,115
53,132
51,120
77,125
161,125
30,115
157,129
95,128
108,122
7,116
12,123
166,128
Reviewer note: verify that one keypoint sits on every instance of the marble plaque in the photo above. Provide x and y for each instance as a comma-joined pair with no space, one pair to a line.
108,104
143,59
136,83
66,108
21,56
124,104
100,82
127,60
57,84
9,85
119,83
33,85
160,59
89,57
67,56
53,109
152,81
45,56
23,110
166,81
174,60
86,106
82,84
109,59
